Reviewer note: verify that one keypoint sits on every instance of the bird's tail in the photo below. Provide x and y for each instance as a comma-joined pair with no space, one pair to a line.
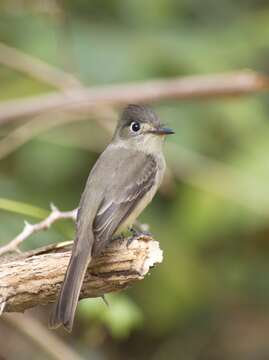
64,311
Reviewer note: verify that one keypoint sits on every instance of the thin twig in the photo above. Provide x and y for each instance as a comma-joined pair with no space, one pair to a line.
30,229
85,99
36,68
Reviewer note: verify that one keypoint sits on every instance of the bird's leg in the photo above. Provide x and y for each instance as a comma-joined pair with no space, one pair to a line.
132,238
135,235
140,230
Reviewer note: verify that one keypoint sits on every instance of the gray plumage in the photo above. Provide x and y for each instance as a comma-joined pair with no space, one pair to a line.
121,184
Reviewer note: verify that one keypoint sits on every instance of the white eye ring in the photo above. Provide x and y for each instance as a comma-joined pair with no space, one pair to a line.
135,126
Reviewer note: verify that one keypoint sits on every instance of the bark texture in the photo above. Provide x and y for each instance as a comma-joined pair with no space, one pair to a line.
34,278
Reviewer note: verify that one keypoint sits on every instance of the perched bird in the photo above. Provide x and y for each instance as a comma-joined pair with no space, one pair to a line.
121,184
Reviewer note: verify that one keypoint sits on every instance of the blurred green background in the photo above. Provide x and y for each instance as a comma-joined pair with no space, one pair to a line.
209,298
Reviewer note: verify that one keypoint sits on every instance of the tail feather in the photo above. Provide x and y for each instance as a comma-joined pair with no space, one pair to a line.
64,311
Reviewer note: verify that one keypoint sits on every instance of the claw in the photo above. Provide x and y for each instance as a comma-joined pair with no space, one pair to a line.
137,232
130,240
134,231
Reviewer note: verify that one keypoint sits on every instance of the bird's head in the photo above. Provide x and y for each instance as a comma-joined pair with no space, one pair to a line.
140,126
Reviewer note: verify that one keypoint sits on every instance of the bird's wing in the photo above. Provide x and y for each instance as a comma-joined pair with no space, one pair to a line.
132,178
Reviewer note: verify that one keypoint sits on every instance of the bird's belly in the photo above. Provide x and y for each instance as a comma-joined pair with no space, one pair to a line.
138,209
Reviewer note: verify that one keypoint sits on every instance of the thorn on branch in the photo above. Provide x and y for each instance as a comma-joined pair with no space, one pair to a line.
53,208
27,225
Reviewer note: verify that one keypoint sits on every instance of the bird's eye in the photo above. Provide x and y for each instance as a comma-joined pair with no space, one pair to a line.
135,126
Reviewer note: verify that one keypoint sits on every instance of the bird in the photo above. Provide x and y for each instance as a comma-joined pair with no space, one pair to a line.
123,181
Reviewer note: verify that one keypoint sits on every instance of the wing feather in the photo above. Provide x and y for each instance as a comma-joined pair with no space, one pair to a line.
122,197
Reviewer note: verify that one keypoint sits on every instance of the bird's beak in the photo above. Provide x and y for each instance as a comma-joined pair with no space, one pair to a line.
162,131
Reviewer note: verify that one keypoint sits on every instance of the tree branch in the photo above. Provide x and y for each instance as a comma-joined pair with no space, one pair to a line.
87,99
36,68
34,278
30,229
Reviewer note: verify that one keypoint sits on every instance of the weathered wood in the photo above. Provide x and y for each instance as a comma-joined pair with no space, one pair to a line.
34,278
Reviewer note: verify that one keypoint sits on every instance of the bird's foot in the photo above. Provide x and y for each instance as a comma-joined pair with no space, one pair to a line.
139,232
136,234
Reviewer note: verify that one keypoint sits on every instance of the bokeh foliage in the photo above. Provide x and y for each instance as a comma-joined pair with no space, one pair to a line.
215,246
